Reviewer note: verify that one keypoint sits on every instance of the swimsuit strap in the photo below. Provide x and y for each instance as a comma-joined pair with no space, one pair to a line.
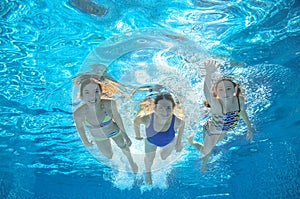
238,99
106,120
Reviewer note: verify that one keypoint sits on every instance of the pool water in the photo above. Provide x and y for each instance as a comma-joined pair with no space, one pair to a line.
44,44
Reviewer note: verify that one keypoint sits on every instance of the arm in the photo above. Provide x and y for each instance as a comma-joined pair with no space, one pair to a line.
210,68
137,127
118,119
245,117
180,133
115,114
79,122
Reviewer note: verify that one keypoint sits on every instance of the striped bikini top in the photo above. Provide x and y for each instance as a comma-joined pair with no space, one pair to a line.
106,121
226,121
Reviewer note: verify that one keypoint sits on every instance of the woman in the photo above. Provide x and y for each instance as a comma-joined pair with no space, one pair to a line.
103,120
161,126
226,106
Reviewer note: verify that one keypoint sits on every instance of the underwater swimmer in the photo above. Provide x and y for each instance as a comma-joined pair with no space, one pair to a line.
227,105
161,126
102,119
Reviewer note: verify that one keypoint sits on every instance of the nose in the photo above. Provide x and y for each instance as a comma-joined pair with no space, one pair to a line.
166,111
92,96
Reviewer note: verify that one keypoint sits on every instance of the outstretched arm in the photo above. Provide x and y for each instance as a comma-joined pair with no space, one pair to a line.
116,115
180,133
211,67
118,119
245,117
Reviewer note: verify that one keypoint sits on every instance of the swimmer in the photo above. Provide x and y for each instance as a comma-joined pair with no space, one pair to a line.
102,119
226,104
89,7
160,127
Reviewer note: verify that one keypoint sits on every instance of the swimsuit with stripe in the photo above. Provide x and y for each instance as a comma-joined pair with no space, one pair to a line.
223,122
106,121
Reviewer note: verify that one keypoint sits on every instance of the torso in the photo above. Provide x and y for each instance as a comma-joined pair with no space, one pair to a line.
160,135
225,117
99,121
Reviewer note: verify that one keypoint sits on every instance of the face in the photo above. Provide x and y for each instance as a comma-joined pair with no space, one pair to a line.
91,93
225,89
164,108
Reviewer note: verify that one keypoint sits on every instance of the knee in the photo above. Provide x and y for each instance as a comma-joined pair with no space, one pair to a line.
149,158
122,146
163,157
108,155
206,152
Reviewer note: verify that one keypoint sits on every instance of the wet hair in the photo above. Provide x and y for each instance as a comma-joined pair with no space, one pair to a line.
235,85
86,82
165,96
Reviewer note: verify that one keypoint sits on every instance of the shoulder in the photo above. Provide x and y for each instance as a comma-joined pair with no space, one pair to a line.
178,122
109,104
143,120
242,102
80,112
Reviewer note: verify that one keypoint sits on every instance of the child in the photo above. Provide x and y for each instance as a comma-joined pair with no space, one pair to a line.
160,131
226,106
103,120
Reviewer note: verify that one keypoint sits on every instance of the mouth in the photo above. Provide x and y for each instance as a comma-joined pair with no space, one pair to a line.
92,101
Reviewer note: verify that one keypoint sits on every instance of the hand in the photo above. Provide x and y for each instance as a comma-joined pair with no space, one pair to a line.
139,138
249,135
190,138
211,66
88,143
127,140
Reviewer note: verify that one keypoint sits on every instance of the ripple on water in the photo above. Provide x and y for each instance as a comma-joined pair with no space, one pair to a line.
7,7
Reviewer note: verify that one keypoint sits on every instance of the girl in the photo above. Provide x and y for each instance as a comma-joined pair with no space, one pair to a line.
226,106
160,131
103,120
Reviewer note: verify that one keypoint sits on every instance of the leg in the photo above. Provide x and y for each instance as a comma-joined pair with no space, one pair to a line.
197,145
119,140
105,148
204,163
150,150
210,142
167,150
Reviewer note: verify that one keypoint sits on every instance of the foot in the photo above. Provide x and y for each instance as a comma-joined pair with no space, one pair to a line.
148,178
190,138
203,168
198,146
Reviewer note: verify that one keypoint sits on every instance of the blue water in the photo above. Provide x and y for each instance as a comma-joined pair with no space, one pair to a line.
44,44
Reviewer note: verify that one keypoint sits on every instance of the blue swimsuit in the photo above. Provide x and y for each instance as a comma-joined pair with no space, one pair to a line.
160,138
